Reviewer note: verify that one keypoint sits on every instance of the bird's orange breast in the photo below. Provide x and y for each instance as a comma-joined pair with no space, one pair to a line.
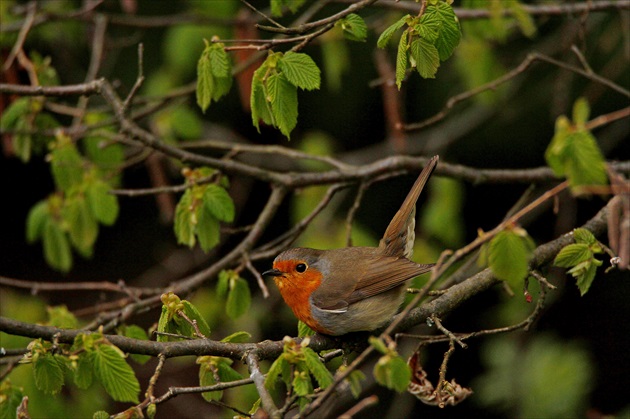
296,290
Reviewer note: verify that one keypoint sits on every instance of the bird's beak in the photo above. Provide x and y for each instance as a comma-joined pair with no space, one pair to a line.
273,272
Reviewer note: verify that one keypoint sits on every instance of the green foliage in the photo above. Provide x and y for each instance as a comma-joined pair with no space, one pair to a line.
214,74
508,254
295,367
48,372
238,294
304,330
10,399
274,89
214,370
278,5
172,321
113,372
428,39
354,381
135,332
580,258
573,152
542,378
201,209
390,370
60,316
505,16
353,27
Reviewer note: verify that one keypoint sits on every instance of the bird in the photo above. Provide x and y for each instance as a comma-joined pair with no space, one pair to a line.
353,289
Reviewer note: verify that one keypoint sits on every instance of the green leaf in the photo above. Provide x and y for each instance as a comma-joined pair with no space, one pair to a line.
585,164
304,330
392,372
223,284
113,372
508,255
66,164
101,414
585,280
449,32
317,368
581,112
237,337
378,344
582,235
302,384
17,110
10,398
219,202
402,58
354,27
208,377
300,70
193,314
48,373
36,219
555,153
22,143
83,376
82,226
184,224
523,18
207,229
284,103
103,205
425,57
219,61
239,298
60,316
387,34
261,108
136,332
354,380
275,371
205,81
573,254
277,5
56,247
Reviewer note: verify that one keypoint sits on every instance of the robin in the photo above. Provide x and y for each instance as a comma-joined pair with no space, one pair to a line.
353,289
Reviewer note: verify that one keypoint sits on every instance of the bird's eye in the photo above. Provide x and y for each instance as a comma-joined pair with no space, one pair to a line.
300,267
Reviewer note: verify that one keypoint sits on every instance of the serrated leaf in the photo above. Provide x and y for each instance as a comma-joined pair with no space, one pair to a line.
402,59
36,219
304,330
300,70
582,235
239,298
261,108
317,368
66,165
585,280
165,325
113,372
219,61
508,256
205,81
83,376
223,283
573,254
82,226
302,384
554,155
60,316
449,32
585,164
48,373
103,205
56,246
193,314
354,27
387,34
207,229
392,372
207,377
426,57
219,202
184,224
275,371
284,103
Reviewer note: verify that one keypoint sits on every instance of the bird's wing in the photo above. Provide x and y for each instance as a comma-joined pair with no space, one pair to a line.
378,275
